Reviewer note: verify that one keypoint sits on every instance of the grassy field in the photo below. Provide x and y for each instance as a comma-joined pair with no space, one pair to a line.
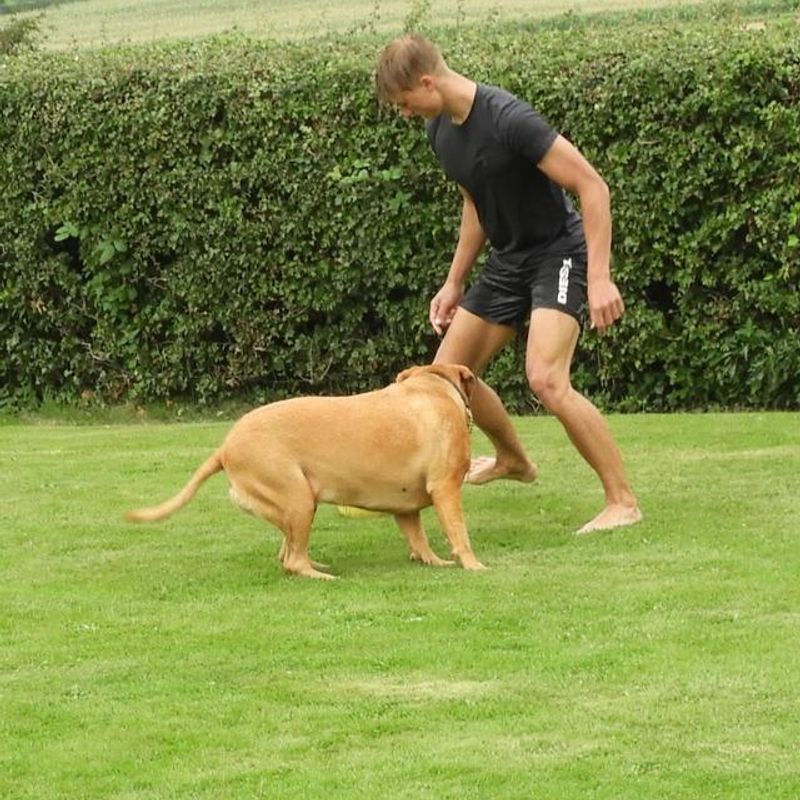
107,22
176,661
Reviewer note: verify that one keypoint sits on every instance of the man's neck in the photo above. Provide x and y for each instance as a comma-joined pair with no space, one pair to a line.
458,93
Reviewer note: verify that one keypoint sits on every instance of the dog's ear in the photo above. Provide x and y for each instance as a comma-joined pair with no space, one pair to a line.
467,379
456,373
406,373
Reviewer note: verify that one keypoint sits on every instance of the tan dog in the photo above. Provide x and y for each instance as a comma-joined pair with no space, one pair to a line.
398,449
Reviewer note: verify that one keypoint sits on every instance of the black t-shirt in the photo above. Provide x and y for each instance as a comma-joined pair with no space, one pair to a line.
493,154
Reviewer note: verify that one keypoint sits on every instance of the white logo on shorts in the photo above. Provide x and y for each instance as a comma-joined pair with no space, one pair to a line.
563,281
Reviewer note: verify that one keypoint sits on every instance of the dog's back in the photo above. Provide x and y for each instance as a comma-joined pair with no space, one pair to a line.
373,449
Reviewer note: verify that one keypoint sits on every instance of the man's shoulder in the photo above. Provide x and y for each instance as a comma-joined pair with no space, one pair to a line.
519,125
498,100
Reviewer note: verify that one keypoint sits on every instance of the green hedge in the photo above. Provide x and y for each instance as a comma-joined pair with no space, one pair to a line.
234,219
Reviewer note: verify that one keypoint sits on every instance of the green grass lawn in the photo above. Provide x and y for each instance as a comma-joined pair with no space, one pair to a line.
176,661
90,23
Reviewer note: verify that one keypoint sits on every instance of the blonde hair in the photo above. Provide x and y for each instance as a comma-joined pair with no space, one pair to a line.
403,61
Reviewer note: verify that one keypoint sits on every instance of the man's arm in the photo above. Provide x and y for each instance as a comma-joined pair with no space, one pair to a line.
565,165
471,239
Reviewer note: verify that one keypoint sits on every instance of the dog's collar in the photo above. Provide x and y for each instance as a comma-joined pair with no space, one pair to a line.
464,398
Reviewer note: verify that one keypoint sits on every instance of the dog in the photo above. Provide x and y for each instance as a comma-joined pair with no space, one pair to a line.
398,450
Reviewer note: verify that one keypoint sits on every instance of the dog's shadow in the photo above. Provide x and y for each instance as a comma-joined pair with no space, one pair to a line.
373,546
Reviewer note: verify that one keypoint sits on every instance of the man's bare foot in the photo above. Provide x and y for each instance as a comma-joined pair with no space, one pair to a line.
613,516
486,468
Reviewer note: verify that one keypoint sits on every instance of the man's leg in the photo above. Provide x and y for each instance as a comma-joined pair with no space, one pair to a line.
551,344
473,342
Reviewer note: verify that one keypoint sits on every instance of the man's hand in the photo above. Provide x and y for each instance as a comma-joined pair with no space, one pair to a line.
605,304
444,305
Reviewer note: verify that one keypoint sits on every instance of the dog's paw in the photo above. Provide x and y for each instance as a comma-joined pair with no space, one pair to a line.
472,563
308,571
431,559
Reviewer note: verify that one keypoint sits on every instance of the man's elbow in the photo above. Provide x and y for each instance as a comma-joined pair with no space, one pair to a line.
595,190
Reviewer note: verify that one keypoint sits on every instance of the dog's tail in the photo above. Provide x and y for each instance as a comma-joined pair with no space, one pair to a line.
211,466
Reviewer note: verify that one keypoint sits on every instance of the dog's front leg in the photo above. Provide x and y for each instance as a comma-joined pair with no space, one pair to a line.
447,502
419,548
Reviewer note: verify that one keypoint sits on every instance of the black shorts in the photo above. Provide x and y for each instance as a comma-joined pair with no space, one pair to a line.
506,294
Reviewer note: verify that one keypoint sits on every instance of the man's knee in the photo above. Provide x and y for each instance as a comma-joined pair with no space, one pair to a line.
550,385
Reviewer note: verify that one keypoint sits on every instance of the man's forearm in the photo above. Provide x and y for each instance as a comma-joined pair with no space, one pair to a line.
596,211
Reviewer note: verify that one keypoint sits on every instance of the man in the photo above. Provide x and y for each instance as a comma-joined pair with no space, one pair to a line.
512,169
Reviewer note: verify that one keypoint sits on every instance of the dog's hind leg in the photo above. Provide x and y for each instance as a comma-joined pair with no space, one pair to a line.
282,556
418,547
284,550
290,507
296,526
447,502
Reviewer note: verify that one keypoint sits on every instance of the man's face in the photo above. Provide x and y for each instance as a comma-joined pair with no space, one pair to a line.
423,100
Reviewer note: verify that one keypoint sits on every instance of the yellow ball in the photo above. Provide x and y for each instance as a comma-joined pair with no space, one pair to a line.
355,511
